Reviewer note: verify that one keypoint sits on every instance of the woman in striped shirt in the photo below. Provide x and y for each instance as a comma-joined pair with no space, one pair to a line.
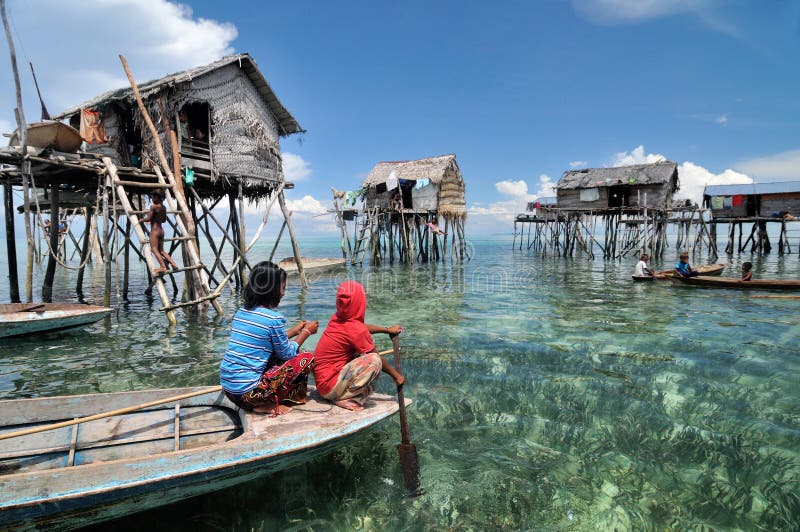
262,367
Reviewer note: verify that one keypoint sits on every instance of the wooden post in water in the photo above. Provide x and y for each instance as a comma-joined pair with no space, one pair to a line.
287,216
11,244
47,286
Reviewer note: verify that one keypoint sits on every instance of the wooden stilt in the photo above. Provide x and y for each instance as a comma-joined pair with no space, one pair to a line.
47,286
11,244
288,217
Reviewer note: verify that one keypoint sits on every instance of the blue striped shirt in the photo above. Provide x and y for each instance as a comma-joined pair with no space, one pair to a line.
258,341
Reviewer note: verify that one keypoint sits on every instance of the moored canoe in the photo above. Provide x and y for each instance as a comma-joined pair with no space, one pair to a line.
107,468
25,318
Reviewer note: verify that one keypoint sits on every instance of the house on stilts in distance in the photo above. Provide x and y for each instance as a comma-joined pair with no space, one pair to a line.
205,137
758,204
406,211
633,204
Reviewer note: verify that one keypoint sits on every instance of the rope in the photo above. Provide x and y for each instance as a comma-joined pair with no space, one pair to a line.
40,219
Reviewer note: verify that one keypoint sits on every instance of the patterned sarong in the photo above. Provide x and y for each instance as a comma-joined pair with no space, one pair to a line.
357,378
285,383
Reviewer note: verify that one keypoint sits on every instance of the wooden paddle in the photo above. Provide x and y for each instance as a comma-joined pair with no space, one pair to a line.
34,307
407,450
775,297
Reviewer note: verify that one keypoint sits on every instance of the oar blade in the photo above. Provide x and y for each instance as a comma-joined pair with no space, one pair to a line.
409,462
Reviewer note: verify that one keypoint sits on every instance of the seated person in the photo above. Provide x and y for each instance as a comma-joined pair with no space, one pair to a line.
432,225
682,267
346,363
262,368
747,271
641,267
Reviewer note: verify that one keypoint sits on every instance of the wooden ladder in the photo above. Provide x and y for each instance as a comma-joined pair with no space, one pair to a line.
171,197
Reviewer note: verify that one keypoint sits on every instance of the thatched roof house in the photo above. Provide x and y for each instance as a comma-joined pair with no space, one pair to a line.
228,119
622,186
431,185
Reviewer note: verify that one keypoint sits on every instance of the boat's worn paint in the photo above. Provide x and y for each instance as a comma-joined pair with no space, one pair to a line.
75,496
15,321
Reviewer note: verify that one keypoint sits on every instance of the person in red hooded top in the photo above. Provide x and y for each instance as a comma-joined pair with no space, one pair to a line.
346,363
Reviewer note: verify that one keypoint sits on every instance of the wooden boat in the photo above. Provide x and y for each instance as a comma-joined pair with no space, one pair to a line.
706,269
642,278
107,468
735,282
26,318
50,134
311,266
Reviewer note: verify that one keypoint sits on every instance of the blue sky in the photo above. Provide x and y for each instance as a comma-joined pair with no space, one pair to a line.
519,91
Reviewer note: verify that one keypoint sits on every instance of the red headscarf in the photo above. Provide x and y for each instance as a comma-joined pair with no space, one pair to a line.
345,337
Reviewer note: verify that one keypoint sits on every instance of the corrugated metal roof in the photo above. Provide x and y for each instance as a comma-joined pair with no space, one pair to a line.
780,187
637,174
286,122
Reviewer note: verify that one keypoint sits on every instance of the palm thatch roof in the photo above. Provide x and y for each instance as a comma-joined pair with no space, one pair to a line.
287,124
433,168
659,173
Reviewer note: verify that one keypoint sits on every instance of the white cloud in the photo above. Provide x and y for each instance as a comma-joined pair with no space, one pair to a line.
778,167
306,205
694,178
618,12
76,62
518,196
295,168
6,126
721,119
512,188
636,156
576,164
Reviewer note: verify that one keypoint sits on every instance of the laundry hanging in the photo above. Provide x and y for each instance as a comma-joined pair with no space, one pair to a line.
92,129
421,183
392,182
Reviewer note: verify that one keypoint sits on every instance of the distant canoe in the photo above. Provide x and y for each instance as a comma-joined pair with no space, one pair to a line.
706,269
310,266
25,318
734,282
107,468
50,134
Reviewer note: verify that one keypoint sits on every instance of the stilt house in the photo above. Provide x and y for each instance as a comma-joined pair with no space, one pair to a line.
766,200
403,201
200,136
599,189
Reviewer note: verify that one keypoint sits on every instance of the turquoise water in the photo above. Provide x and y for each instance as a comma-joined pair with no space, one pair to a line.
549,394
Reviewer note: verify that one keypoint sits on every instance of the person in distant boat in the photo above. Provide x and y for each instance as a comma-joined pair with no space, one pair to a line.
641,267
263,369
346,363
157,216
434,227
747,271
683,268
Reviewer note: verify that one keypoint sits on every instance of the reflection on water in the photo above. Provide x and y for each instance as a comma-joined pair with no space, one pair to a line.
549,393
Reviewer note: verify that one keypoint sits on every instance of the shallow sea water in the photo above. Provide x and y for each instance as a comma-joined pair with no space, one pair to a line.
550,394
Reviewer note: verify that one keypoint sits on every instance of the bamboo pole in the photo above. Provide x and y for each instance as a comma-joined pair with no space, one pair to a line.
288,217
11,244
52,256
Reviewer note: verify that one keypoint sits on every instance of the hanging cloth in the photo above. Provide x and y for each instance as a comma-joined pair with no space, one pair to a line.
92,129
392,182
727,202
738,199
716,203
421,183
188,176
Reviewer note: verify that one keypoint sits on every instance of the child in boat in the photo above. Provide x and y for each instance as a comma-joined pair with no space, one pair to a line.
641,267
262,367
346,363
158,216
747,271
682,267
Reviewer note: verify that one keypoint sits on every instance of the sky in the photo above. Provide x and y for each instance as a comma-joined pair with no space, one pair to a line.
520,91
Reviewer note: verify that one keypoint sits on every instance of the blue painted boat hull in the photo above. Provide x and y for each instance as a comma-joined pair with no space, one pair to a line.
65,498
14,321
